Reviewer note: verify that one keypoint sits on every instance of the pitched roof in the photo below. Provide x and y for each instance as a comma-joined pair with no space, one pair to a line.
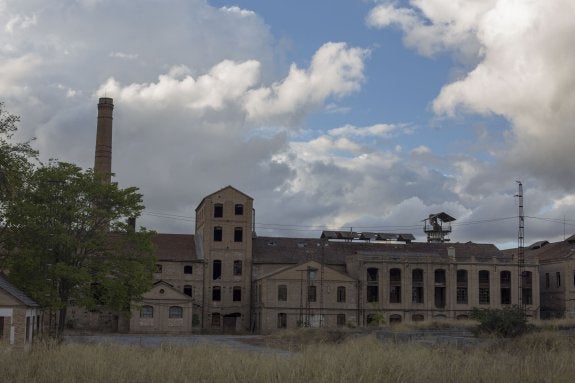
16,292
554,251
296,250
219,191
174,247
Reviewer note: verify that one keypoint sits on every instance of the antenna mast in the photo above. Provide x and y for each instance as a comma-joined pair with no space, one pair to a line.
521,246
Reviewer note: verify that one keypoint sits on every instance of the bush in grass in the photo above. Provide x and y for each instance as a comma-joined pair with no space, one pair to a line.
507,322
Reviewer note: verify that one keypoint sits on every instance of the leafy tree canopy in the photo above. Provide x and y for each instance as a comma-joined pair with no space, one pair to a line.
71,242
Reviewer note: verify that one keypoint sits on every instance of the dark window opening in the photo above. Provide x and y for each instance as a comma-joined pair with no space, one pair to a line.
547,283
439,297
218,234
417,286
372,294
188,269
505,285
216,293
394,319
440,277
341,294
395,286
558,279
372,275
417,318
188,290
158,268
526,291
282,293
462,298
484,292
215,320
238,234
282,320
217,269
239,209
237,268
311,294
340,320
218,210
237,294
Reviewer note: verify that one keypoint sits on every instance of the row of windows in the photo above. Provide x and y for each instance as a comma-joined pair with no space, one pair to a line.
217,294
174,312
311,293
219,234
417,289
188,269
219,210
217,269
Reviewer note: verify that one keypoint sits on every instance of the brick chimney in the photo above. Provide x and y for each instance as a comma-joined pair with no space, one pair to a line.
103,158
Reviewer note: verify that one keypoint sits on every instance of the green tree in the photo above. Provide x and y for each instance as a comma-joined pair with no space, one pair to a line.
507,322
71,241
15,165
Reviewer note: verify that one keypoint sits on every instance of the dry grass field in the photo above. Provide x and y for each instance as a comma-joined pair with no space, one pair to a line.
545,356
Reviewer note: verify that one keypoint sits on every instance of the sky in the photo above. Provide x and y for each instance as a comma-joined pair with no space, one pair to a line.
356,115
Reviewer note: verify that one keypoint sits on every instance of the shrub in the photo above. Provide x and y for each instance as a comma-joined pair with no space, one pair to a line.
507,322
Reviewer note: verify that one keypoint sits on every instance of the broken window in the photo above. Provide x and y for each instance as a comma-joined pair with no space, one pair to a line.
282,320
311,294
188,269
146,312
505,286
439,292
462,287
395,286
237,267
237,294
239,209
238,234
282,293
218,233
340,320
188,290
218,210
417,286
216,269
341,293
216,293
527,288
175,312
484,287
372,285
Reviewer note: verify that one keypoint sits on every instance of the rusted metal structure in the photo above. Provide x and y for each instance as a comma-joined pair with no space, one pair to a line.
437,227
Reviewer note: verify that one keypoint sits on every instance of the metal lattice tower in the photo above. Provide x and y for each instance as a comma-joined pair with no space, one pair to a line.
520,245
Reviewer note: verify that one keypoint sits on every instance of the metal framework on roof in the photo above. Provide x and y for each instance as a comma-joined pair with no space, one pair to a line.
367,236
437,227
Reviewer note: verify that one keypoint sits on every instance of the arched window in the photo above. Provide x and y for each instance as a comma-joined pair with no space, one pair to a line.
462,287
175,312
372,284
417,286
484,287
527,288
238,234
439,293
188,269
395,286
394,318
505,287
147,312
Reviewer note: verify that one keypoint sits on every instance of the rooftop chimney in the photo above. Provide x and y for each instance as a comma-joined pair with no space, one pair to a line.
103,158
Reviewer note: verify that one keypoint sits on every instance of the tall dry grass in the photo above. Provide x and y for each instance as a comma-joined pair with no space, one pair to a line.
539,357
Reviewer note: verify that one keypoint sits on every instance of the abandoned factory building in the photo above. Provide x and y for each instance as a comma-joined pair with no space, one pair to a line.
226,278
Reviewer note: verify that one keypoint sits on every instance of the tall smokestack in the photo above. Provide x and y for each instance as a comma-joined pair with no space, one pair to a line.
103,158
